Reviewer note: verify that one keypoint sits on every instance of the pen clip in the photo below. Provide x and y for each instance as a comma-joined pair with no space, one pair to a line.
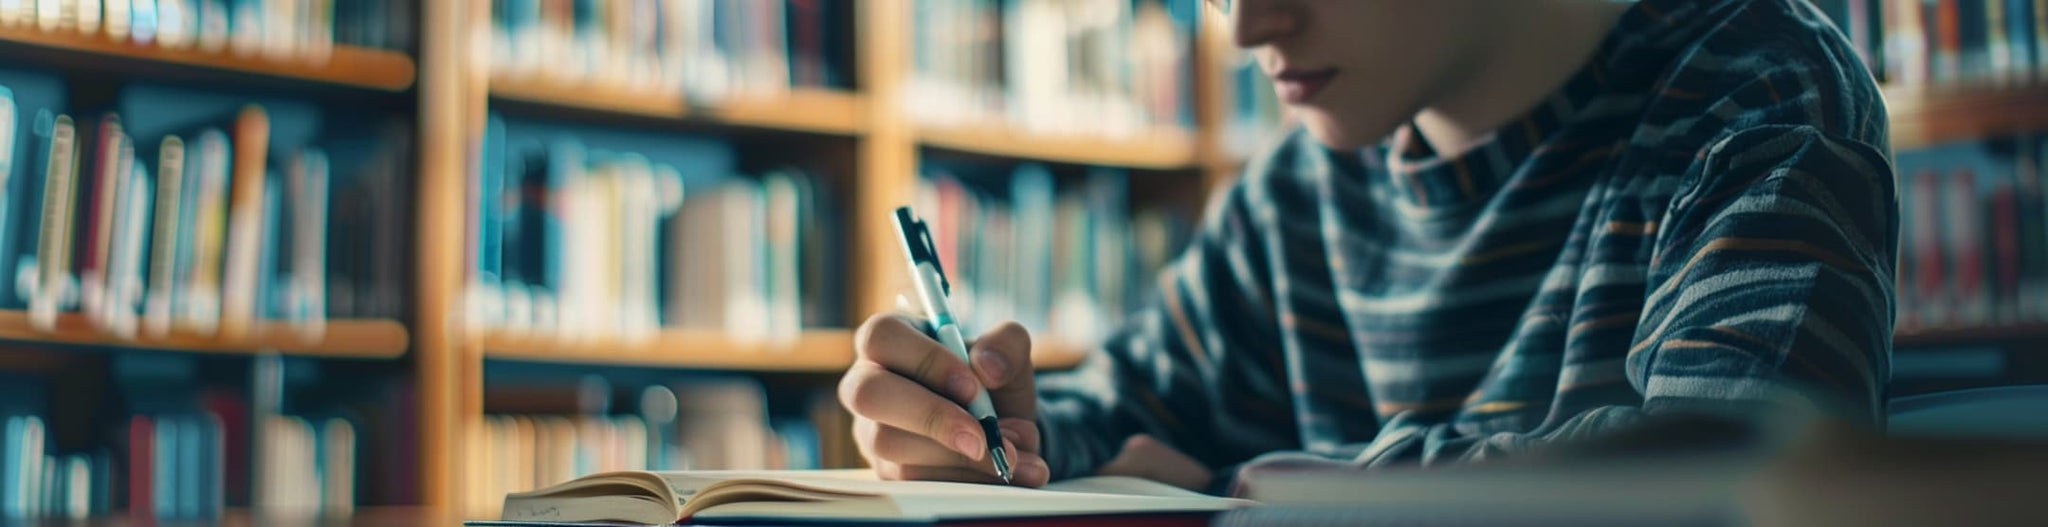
917,242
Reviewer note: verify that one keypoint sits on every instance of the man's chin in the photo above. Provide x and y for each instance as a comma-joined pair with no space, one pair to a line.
1338,136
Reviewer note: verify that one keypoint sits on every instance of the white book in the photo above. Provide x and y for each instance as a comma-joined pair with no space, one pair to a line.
124,264
156,310
53,247
117,18
710,496
87,19
306,293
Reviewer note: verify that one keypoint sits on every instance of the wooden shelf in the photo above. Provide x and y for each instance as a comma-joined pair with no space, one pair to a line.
1928,115
1163,149
367,68
346,338
802,110
364,516
2031,333
814,351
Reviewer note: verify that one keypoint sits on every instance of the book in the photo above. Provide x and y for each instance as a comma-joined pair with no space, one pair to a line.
244,222
52,268
661,498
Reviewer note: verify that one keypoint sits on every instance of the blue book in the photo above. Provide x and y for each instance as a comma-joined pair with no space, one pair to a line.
2019,28
490,219
1031,199
167,453
269,273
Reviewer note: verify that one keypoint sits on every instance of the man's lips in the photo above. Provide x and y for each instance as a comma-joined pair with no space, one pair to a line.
1298,86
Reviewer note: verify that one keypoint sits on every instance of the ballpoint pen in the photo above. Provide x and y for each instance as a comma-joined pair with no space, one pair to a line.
932,291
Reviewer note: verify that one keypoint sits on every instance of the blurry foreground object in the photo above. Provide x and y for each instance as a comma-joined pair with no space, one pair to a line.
1710,471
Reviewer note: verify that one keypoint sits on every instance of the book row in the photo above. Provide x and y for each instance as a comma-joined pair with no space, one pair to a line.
1920,42
171,209
543,433
274,29
1974,235
1065,263
1116,68
705,49
578,240
176,466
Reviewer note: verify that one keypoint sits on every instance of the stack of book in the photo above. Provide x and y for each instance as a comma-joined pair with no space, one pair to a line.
1117,68
542,433
171,451
1065,264
1922,42
578,242
1974,235
194,212
37,482
303,30
707,49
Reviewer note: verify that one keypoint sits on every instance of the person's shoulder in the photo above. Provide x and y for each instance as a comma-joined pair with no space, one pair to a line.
1766,63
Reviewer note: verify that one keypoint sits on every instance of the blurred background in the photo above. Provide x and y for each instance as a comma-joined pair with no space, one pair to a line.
365,258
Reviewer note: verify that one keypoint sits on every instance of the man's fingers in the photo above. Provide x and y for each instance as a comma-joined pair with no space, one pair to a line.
889,399
896,342
910,448
1023,432
1145,457
1002,361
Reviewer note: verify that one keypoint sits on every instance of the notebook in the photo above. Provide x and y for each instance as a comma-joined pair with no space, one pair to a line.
660,498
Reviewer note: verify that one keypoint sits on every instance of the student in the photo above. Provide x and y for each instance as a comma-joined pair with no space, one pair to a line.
1500,225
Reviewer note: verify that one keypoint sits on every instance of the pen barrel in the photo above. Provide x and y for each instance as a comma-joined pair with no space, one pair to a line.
949,335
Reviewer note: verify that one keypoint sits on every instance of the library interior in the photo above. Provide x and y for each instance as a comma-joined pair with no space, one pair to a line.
441,251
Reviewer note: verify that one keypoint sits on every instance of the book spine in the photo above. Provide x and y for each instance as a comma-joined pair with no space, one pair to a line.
245,204
53,248
156,312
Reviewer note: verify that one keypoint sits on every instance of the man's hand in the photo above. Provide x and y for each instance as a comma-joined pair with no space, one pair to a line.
1145,457
906,393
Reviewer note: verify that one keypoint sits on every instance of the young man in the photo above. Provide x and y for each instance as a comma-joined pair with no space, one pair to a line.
1501,225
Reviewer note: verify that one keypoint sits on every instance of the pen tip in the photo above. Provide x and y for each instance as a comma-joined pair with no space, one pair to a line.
1002,464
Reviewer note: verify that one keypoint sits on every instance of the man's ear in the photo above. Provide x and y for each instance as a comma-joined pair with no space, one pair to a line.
1145,457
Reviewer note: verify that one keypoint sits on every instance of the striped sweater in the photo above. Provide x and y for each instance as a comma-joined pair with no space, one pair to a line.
1702,219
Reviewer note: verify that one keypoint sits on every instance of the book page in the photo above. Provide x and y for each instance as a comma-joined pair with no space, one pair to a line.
932,500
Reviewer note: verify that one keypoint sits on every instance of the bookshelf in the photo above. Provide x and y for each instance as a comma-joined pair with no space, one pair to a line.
811,110
2034,333
820,351
348,66
1161,149
356,339
1923,116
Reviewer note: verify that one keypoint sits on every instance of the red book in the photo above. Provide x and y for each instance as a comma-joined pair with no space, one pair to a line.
2005,250
141,441
1928,258
233,415
96,209
1965,235
1948,41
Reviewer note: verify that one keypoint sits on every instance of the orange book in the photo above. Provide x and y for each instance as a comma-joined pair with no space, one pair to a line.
245,222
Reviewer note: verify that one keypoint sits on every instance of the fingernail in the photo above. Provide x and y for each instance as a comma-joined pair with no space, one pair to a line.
962,386
967,444
992,364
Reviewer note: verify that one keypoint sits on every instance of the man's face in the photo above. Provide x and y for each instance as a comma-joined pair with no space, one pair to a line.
1354,70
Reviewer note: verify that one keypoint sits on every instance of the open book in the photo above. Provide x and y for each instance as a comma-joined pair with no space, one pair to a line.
659,498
